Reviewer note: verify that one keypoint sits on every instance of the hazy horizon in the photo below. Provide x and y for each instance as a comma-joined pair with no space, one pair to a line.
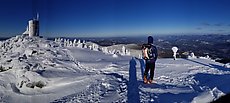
129,36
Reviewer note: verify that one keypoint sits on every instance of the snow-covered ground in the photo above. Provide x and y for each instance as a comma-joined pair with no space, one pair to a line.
35,70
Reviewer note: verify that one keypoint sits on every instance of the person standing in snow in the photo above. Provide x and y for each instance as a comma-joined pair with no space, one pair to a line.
150,55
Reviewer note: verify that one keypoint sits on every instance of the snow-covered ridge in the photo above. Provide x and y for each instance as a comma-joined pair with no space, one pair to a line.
25,63
33,68
37,70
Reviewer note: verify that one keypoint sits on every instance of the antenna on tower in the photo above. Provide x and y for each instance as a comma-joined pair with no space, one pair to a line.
37,16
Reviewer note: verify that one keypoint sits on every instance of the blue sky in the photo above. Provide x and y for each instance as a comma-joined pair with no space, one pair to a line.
98,18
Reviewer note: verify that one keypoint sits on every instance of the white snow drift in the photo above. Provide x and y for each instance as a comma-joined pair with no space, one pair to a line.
36,70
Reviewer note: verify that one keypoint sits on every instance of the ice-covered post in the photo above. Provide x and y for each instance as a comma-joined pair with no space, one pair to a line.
74,42
79,41
192,55
90,47
127,52
123,50
70,43
64,42
174,49
105,50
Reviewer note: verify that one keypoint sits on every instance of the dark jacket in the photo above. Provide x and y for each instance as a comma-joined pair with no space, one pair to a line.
154,53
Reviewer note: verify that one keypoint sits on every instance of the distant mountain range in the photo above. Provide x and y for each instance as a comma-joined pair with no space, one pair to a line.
4,38
216,46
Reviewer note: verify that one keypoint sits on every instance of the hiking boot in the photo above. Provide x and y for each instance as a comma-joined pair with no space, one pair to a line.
150,81
145,80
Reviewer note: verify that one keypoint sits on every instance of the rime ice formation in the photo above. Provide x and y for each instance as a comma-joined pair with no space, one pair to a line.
174,49
227,65
26,62
191,55
92,46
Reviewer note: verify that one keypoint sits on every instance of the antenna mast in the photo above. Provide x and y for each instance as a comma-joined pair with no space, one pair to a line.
37,16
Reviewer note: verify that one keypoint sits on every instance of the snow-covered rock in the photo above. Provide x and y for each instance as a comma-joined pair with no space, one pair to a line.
191,56
26,63
227,65
206,57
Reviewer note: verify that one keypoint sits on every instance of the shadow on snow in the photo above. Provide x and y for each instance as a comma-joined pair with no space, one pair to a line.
209,80
214,80
142,66
209,65
149,96
133,90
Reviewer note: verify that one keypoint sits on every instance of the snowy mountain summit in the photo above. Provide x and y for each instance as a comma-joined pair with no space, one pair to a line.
28,64
36,70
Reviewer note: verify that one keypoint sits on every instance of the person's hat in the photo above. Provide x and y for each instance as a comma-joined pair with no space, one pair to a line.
150,39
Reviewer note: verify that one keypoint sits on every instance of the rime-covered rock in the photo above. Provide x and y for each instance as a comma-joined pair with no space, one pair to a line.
28,59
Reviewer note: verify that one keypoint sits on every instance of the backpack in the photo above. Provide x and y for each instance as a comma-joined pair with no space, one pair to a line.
148,51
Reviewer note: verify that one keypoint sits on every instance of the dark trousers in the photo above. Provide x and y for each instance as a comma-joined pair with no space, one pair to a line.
150,66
